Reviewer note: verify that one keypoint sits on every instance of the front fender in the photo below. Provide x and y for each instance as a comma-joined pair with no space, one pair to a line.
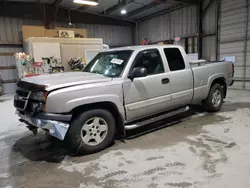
70,105
66,99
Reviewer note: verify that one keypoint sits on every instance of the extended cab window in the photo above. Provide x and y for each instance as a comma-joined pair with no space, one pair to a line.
175,59
151,60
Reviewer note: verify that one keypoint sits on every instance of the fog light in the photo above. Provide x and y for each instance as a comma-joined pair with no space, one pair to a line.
52,130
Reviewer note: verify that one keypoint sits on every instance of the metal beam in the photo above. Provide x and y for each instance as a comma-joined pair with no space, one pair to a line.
200,33
16,9
146,7
190,2
245,43
118,6
57,3
218,10
5,3
163,12
207,7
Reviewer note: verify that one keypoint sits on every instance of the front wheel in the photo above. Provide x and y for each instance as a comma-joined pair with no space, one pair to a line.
92,131
214,100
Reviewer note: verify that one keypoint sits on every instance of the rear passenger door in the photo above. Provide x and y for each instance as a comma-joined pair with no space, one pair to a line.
181,78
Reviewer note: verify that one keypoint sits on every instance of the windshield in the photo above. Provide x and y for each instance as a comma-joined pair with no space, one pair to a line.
109,64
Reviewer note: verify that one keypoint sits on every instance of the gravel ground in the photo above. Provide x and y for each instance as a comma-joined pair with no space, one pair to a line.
195,149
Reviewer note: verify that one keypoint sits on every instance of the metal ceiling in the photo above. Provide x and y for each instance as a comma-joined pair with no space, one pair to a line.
136,9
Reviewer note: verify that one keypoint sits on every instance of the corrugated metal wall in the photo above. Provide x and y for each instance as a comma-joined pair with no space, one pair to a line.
8,74
11,33
111,34
11,28
209,27
234,35
182,23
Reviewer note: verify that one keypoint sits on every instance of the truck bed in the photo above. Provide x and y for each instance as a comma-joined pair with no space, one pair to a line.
204,72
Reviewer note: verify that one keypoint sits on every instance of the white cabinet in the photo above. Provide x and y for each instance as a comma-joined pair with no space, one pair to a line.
63,48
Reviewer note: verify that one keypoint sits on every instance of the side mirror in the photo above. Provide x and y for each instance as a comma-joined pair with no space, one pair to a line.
138,72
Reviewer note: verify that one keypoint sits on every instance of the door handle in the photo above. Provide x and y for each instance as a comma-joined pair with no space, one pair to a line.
165,81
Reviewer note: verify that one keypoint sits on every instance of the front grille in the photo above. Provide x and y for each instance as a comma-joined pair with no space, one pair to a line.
19,103
22,93
21,99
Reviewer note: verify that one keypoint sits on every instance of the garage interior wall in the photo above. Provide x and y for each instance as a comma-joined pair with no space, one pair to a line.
209,30
11,41
234,35
179,23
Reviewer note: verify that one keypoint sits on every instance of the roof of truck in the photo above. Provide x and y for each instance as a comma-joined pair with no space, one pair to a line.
142,47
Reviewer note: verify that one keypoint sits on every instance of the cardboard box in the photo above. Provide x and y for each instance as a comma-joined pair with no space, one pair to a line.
40,31
66,34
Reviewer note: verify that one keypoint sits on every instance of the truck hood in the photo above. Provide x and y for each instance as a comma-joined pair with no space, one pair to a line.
59,80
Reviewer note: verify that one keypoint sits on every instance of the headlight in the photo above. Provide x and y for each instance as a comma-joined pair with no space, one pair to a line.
39,95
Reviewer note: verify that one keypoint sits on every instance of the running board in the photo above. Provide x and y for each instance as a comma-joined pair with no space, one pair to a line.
157,118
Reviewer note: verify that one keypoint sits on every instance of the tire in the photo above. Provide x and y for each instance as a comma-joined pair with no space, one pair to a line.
212,103
85,126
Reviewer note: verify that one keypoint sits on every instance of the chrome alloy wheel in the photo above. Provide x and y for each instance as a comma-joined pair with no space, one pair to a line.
216,98
94,131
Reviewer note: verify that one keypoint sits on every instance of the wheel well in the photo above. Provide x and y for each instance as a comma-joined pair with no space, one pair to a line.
109,106
223,83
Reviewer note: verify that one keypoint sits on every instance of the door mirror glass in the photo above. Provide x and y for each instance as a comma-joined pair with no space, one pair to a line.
138,72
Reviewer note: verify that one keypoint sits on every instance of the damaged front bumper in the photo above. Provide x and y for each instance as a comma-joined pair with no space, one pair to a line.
57,125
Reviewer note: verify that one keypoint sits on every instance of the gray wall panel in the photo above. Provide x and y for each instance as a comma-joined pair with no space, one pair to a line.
233,35
209,27
11,31
232,47
233,25
209,20
112,35
9,88
227,5
8,60
208,48
182,22
248,73
9,74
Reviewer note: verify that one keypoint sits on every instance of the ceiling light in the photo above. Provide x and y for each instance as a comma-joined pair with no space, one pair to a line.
123,11
86,2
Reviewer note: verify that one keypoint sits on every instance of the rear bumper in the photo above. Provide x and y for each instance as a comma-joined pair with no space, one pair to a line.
232,82
56,124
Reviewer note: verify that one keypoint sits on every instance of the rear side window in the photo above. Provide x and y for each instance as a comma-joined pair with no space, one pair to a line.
175,59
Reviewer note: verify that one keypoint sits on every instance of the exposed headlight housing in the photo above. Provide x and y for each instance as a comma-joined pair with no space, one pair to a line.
39,95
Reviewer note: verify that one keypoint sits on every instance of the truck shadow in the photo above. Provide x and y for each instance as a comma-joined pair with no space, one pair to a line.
45,148
41,147
162,124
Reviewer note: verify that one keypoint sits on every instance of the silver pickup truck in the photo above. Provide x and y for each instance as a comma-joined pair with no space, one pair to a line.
120,90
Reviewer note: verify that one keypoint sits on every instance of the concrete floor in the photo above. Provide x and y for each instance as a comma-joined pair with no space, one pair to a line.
195,149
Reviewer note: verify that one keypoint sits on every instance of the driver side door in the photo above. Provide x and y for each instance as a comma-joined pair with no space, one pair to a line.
148,95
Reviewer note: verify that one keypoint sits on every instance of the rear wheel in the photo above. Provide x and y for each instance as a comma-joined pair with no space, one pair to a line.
214,100
92,131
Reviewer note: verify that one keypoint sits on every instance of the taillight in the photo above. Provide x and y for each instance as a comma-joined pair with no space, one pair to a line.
231,75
